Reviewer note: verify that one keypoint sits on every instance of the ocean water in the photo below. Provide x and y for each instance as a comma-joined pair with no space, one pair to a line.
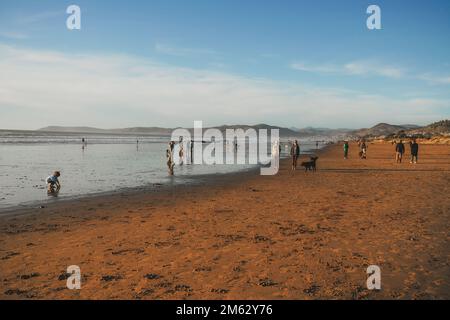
105,163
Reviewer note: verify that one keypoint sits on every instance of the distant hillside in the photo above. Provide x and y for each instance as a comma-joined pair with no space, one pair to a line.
436,128
134,130
284,132
382,129
379,130
324,132
71,129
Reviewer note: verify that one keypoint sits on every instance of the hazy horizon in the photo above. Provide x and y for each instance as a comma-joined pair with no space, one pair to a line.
220,125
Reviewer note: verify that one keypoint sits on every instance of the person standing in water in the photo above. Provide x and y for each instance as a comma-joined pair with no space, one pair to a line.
295,153
346,149
192,151
399,151
53,184
169,156
181,153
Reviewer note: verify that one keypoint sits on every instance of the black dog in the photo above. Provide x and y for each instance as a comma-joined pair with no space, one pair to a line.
310,165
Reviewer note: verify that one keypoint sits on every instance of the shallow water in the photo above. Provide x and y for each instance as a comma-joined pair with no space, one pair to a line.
106,163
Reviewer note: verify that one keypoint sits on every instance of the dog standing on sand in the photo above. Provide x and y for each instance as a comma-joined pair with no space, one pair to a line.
310,165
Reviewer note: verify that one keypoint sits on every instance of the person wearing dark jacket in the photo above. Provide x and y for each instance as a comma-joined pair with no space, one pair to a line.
399,151
414,151
295,153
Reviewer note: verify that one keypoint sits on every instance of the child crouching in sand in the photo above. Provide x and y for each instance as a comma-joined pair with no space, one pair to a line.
53,184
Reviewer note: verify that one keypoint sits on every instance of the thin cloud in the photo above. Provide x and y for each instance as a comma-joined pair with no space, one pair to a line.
359,67
40,88
434,79
300,66
269,55
39,17
13,35
365,68
373,68
179,51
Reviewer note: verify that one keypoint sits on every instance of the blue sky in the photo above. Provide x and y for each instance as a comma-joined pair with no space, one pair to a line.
168,63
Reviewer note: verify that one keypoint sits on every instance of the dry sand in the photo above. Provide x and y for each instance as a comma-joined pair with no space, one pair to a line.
295,235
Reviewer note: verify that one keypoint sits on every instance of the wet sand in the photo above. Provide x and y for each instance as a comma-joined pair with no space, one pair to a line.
296,235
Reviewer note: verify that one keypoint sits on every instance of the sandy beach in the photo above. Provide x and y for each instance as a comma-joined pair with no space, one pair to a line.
296,235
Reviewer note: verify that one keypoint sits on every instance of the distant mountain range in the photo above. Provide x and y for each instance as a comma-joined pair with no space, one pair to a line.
134,130
391,131
436,128
383,129
284,132
316,132
379,130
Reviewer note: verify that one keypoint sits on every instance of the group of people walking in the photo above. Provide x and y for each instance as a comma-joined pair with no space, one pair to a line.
400,150
295,152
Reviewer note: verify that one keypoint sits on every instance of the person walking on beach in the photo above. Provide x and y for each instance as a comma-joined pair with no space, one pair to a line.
295,153
399,151
414,151
345,149
362,149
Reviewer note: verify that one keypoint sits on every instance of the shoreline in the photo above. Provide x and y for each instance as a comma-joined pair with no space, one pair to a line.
296,235
189,180
181,180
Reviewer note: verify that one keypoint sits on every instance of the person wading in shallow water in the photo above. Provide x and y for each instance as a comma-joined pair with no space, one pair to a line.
295,153
169,155
53,184
192,151
181,152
